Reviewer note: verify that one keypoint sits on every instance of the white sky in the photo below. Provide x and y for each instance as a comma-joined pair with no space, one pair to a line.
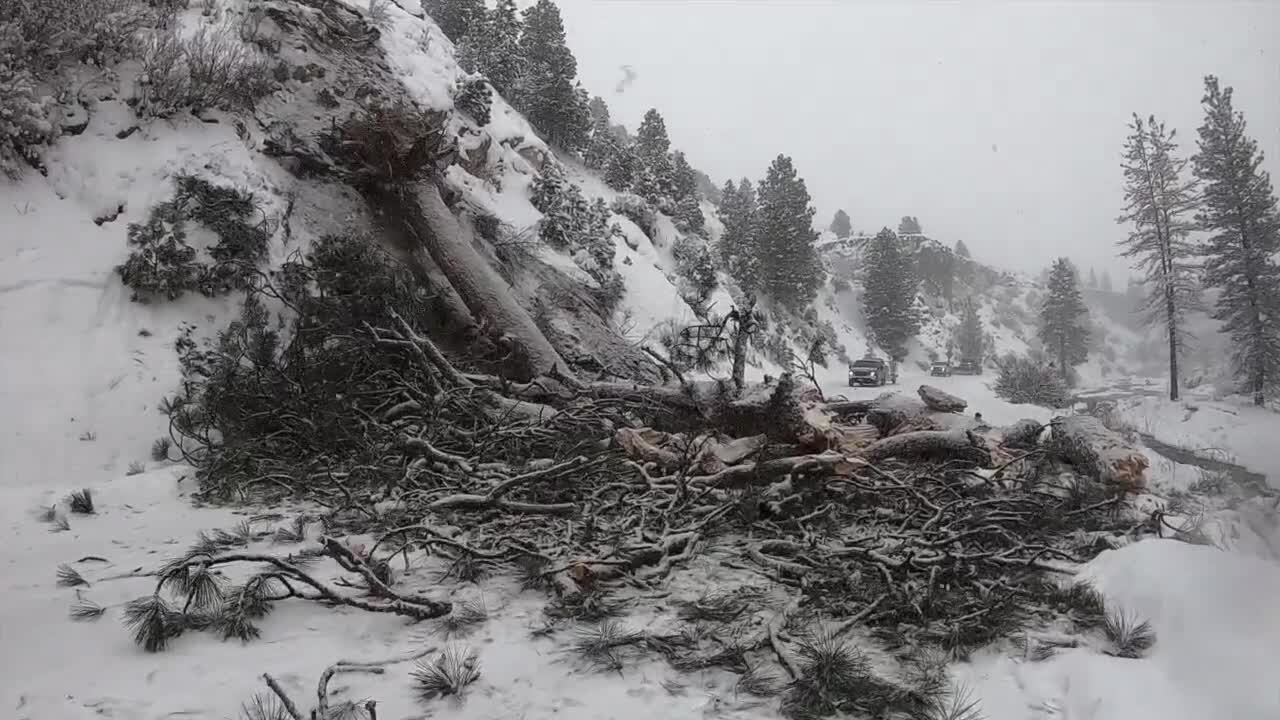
999,123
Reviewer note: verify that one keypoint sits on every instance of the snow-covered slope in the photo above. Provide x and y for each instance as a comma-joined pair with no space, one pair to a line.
83,370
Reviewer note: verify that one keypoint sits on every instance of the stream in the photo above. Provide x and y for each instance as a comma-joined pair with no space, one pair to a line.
1253,483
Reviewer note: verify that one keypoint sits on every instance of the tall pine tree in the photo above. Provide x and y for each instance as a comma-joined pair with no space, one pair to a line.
841,225
655,173
1063,318
652,141
1159,201
491,47
1239,210
456,18
738,249
788,259
684,178
548,94
962,250
620,169
604,144
889,294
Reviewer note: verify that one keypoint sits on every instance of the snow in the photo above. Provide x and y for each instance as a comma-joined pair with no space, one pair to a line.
1233,429
83,370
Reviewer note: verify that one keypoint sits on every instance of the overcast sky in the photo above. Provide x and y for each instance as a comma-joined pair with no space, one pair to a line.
999,123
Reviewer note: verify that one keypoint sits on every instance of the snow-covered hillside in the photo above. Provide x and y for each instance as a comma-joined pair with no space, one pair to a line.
84,371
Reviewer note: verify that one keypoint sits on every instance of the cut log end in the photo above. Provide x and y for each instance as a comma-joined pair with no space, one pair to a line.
1098,452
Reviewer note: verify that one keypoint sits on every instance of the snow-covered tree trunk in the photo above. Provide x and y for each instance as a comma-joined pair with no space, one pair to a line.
490,299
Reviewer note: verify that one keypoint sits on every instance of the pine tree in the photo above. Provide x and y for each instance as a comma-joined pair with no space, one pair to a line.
889,295
1105,283
652,142
909,225
547,93
684,178
738,250
970,337
841,225
603,145
655,172
1093,279
1158,203
1239,210
689,215
492,47
962,250
1064,317
788,259
620,170
455,17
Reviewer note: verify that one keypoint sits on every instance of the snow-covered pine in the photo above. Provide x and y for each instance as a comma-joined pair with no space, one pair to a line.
790,268
547,92
1239,211
456,18
1064,317
491,46
1159,202
889,295
737,249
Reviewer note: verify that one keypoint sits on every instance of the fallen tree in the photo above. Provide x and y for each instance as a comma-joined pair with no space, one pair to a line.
1098,452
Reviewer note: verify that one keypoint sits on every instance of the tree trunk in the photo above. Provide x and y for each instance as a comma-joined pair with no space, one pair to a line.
489,298
1097,452
741,336
1172,311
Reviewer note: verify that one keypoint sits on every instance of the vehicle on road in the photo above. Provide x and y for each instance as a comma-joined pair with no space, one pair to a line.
968,367
940,369
871,371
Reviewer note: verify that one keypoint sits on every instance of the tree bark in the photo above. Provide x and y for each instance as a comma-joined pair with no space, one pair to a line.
931,444
1098,452
489,298
1172,329
940,400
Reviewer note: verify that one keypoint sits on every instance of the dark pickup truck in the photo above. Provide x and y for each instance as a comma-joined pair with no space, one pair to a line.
871,371
968,367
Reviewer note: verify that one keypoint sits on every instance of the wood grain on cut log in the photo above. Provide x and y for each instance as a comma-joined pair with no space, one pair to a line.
1098,452
931,444
940,400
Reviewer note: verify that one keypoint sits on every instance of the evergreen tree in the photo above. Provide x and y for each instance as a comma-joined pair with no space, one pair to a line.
492,47
738,250
1239,209
970,337
1105,283
456,18
962,250
684,178
1158,203
788,259
841,225
652,142
604,144
655,172
889,295
909,225
548,94
936,267
1064,318
689,215
620,169
1093,279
